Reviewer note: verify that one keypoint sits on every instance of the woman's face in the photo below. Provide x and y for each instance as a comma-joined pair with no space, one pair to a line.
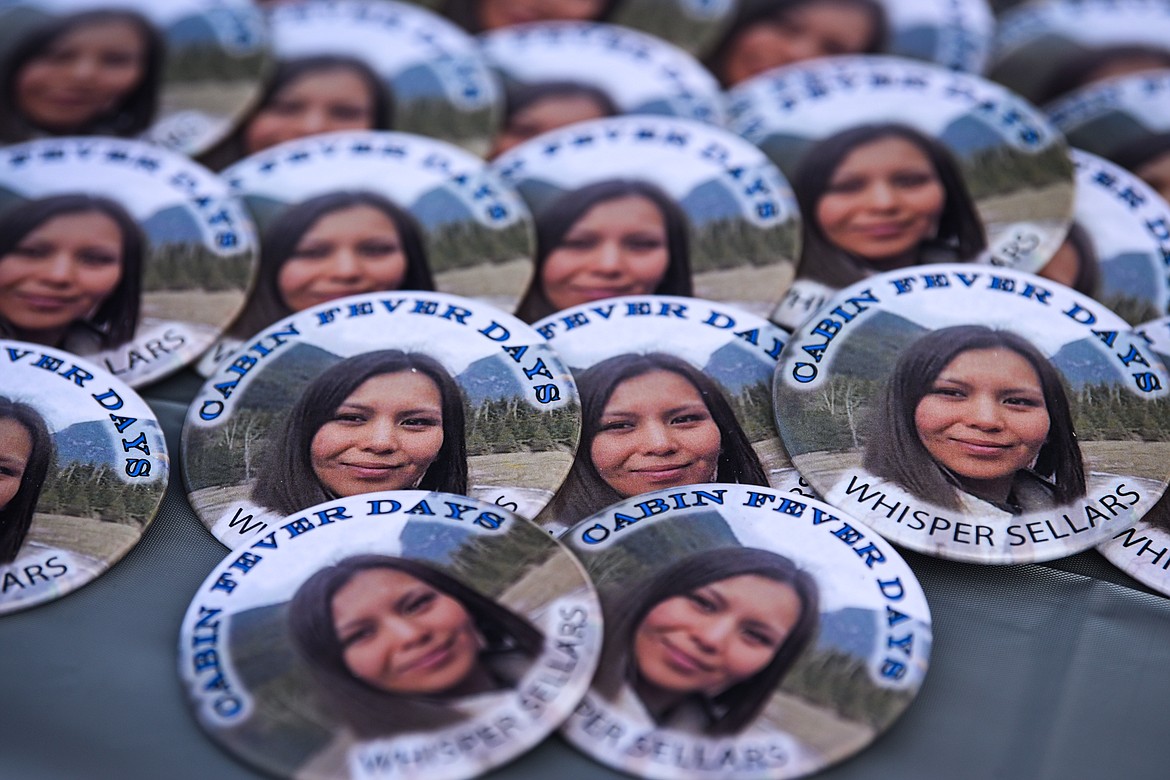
15,451
60,272
618,247
544,115
319,101
715,636
494,14
384,436
984,417
348,251
882,202
655,432
809,31
403,635
81,75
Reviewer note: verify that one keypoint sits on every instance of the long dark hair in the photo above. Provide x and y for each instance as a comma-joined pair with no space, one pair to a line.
234,147
733,709
368,710
16,516
265,305
895,451
769,12
960,231
287,482
555,221
116,317
585,492
131,116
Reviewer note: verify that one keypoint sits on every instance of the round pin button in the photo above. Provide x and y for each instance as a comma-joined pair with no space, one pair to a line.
405,632
83,469
974,413
177,74
150,254
387,391
674,391
748,633
652,205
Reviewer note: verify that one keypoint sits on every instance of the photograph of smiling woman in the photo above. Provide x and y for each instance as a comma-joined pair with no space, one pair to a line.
895,449
586,492
554,224
307,96
81,319
288,481
533,109
743,694
957,236
21,425
282,239
507,644
770,33
107,107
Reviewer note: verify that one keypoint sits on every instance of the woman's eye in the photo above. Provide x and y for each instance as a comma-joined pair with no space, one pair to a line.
910,180
846,186
689,418
57,56
32,251
312,251
579,243
356,636
347,113
701,602
946,392
98,258
119,60
9,471
422,422
616,425
758,638
1024,401
417,603
285,107
378,248
644,243
349,417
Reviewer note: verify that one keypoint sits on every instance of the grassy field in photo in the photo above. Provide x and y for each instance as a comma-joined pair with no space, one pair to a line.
205,308
95,538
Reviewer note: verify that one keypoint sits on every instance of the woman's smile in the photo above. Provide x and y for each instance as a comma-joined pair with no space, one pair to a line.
682,661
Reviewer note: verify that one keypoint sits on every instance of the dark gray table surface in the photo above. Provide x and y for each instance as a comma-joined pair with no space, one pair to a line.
1038,671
